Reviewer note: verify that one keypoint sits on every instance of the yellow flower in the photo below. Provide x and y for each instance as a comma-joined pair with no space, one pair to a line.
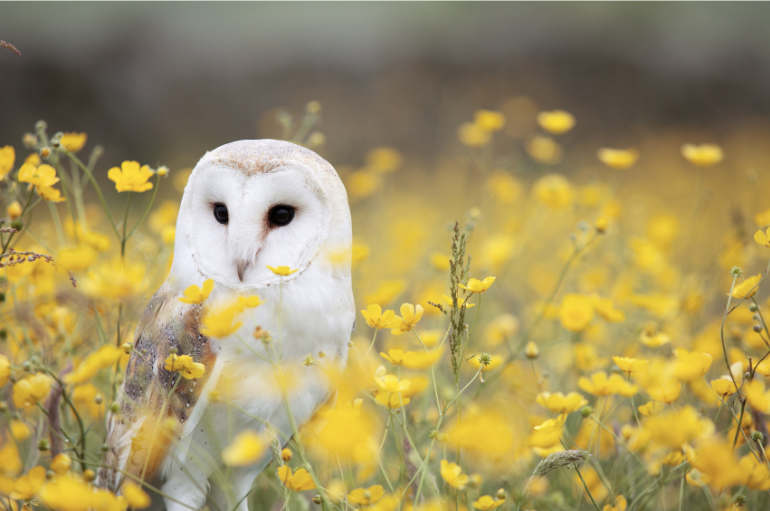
195,294
115,279
104,357
375,318
362,183
703,155
410,316
473,135
763,238
298,481
547,434
544,149
5,370
220,322
366,497
606,309
28,485
84,397
531,351
600,385
283,271
755,474
130,177
70,494
478,286
19,430
620,504
61,464
554,190
50,194
576,312
653,339
460,302
650,408
630,365
748,287
618,158
31,390
691,366
556,121
136,497
14,210
184,364
756,395
559,403
487,503
76,259
489,120
246,449
7,158
43,176
384,159
675,428
73,142
665,392
723,386
453,475
395,356
503,187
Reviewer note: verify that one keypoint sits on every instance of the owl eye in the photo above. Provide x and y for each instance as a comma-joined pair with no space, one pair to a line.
280,215
220,213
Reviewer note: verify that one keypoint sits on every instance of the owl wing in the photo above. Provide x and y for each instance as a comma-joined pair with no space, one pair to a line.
158,407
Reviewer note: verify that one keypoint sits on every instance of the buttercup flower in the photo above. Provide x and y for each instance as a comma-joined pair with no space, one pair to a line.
14,210
666,392
184,364
703,155
723,386
194,294
40,177
460,302
478,286
31,390
756,395
410,316
297,481
618,158
136,497
246,449
366,497
559,403
556,121
453,475
489,120
576,312
748,287
130,177
7,158
600,385
630,365
691,366
763,238
283,271
73,142
375,318
487,503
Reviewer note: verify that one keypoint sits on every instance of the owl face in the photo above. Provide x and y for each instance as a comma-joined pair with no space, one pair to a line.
253,204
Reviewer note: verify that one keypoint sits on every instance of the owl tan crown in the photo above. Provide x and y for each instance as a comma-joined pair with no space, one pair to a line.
255,215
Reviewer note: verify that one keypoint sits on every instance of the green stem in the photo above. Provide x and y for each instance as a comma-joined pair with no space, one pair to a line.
88,173
123,238
149,206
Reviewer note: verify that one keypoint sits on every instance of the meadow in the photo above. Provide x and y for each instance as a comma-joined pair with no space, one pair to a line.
544,323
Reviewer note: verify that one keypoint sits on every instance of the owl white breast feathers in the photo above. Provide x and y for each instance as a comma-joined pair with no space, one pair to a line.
247,205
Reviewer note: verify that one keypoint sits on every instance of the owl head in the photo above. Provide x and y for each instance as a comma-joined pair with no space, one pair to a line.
258,203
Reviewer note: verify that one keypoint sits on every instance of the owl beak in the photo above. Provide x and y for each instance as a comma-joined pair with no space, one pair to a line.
242,265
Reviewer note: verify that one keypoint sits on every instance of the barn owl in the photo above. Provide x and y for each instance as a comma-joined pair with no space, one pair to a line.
247,205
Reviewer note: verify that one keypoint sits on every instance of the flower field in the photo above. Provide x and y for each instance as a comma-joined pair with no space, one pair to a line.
545,323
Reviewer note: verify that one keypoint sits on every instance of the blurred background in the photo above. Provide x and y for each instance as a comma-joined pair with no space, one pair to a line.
162,83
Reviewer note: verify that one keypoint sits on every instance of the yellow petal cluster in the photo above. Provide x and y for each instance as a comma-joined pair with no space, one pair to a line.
197,295
246,449
131,177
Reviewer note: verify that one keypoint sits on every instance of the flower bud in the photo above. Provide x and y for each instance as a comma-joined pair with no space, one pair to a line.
736,272
500,494
757,436
129,347
105,447
757,328
89,475
14,210
29,140
3,406
317,500
162,171
586,411
17,224
602,224
286,455
531,350
173,351
45,152
43,444
753,307
114,407
98,399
